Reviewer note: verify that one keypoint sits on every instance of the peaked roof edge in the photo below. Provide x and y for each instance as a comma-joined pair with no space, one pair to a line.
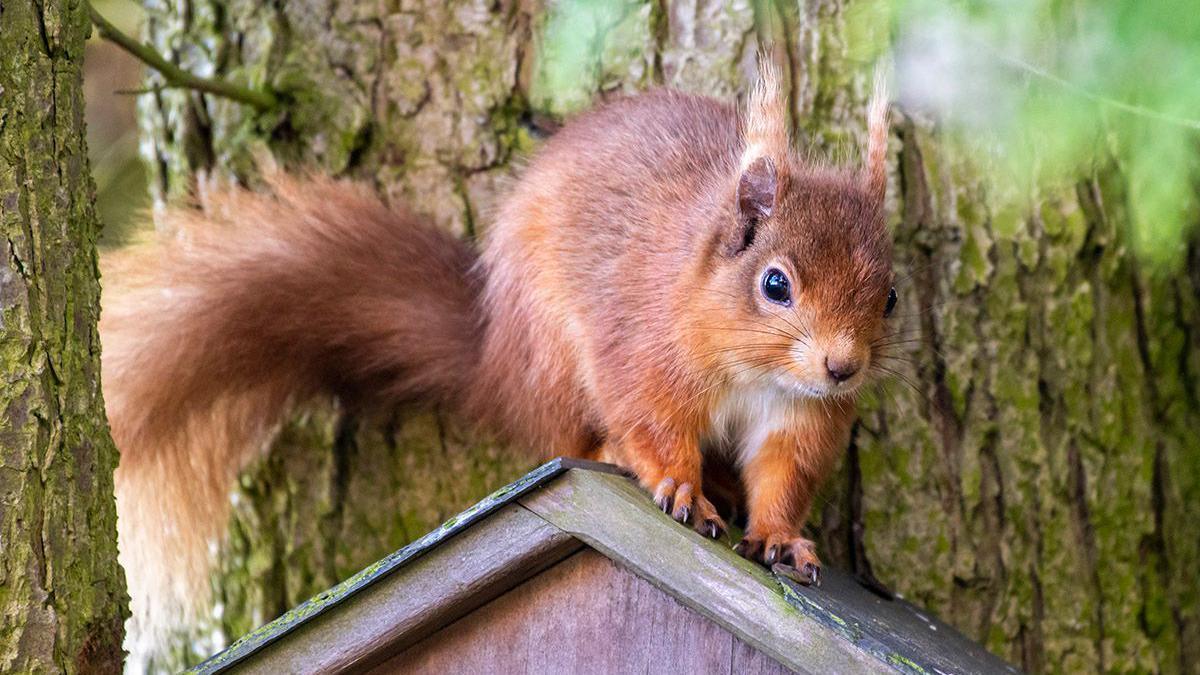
552,512
259,638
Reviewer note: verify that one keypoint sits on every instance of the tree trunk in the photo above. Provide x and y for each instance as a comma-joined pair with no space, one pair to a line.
1035,484
62,594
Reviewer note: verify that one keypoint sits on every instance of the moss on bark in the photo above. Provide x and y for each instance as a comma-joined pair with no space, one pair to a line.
62,594
1033,486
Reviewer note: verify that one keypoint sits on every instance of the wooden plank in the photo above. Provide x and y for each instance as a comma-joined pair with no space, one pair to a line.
747,660
585,615
907,637
444,584
249,644
614,516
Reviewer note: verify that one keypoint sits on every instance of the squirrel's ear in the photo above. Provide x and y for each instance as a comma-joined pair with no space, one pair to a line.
756,192
875,171
765,142
764,119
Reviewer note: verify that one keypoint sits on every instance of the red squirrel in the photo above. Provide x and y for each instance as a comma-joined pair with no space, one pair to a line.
666,279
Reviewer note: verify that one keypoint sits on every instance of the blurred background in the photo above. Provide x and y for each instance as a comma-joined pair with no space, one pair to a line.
1032,473
112,80
1049,87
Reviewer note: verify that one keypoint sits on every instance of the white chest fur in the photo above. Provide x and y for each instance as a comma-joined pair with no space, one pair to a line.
746,416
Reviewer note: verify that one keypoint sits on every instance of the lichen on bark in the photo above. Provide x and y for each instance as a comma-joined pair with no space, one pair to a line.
62,593
1033,486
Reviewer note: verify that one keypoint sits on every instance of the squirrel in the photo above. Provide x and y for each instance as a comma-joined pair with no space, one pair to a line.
666,280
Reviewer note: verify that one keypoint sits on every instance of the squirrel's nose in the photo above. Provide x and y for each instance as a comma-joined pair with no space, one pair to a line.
840,370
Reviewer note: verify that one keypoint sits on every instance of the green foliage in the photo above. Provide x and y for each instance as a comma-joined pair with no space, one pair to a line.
1055,89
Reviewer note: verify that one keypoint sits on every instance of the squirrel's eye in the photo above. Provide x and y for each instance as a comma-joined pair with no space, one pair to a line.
776,287
891,303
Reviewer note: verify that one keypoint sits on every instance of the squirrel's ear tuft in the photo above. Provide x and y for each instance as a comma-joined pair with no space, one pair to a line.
764,119
875,171
756,193
765,136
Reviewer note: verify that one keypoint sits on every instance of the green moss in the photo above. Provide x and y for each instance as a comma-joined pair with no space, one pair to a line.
975,263
63,593
905,663
823,614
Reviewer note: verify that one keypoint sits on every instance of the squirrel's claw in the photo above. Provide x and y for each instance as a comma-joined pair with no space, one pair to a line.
714,528
683,503
808,575
750,549
792,557
664,495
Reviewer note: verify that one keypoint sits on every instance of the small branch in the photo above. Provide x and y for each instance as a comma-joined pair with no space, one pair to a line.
141,91
1014,62
260,99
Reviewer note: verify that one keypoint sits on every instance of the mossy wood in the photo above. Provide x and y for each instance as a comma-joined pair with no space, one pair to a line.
519,532
1034,486
62,594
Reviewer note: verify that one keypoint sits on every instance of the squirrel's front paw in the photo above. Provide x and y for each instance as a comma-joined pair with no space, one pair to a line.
792,557
685,504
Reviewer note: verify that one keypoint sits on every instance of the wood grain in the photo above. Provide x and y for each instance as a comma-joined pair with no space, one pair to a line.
585,615
615,517
434,590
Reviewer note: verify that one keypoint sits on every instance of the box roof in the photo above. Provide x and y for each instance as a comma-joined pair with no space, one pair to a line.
555,510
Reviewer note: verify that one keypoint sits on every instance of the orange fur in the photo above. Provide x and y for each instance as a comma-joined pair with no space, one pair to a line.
252,303
783,475
617,311
877,133
765,118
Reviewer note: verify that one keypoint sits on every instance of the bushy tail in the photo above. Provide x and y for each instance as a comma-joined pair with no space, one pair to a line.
254,302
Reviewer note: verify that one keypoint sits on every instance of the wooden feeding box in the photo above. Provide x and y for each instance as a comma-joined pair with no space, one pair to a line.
573,570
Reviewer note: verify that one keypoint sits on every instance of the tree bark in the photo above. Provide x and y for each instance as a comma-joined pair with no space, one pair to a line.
1033,486
62,594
